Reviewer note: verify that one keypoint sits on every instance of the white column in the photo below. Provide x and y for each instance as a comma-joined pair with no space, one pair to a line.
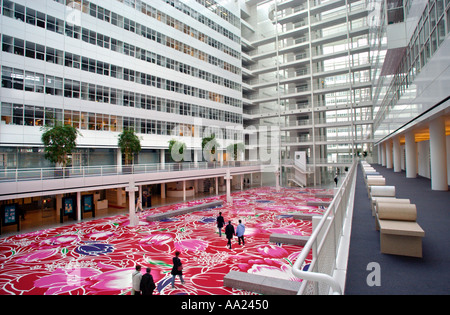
119,160
162,158
228,178
134,220
184,190
411,155
379,154
217,186
277,180
163,191
397,156
242,181
438,154
78,206
389,163
383,153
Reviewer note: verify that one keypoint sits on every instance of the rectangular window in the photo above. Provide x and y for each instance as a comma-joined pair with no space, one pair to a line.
40,52
30,50
29,81
29,115
39,83
17,79
18,114
6,113
19,45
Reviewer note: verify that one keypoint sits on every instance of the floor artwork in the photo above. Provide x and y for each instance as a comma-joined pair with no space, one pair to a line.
98,256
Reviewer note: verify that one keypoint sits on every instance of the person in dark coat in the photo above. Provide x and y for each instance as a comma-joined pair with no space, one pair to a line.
220,223
229,232
147,283
177,269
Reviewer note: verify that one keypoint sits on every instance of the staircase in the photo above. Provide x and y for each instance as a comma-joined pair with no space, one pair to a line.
300,175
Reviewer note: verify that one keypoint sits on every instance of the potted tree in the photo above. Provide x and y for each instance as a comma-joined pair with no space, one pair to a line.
130,144
235,149
177,150
59,142
210,148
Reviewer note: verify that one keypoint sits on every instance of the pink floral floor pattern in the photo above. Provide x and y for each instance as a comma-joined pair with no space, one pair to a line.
98,256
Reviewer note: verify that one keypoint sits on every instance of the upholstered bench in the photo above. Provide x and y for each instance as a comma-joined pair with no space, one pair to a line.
260,284
376,200
318,203
303,216
374,182
400,234
288,239
181,211
381,191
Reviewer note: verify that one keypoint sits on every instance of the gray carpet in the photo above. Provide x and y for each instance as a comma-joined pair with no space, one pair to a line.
399,274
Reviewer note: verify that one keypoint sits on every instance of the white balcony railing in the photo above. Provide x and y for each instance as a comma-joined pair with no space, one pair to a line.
29,174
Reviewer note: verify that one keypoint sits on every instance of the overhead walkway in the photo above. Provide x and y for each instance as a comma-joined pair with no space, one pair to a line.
401,274
22,183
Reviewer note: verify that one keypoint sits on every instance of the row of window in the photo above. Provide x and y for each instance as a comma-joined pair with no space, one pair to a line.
130,25
215,7
202,19
17,11
18,79
32,50
430,33
27,115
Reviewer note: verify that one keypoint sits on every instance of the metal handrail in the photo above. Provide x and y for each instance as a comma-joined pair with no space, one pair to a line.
334,215
26,174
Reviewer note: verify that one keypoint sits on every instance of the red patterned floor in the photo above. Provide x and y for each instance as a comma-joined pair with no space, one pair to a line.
98,257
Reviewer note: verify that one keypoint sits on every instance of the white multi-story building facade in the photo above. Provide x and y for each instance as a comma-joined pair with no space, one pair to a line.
165,68
307,70
333,79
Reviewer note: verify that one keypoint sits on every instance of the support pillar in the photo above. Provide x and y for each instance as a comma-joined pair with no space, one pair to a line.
78,205
228,178
438,155
383,153
163,191
411,155
162,158
217,186
277,179
184,190
397,156
389,163
134,220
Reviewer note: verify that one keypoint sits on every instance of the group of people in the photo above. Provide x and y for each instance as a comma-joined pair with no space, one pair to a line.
230,231
144,284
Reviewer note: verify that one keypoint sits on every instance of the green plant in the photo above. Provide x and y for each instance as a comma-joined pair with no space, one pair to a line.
59,142
210,147
176,149
129,143
235,149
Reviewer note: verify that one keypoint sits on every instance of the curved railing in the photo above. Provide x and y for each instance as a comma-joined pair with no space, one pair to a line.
326,241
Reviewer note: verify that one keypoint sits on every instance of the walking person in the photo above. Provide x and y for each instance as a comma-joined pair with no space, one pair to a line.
136,278
139,205
177,269
336,179
229,232
220,223
147,283
240,230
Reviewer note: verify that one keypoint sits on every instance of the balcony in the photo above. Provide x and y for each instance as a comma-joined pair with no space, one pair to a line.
20,183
